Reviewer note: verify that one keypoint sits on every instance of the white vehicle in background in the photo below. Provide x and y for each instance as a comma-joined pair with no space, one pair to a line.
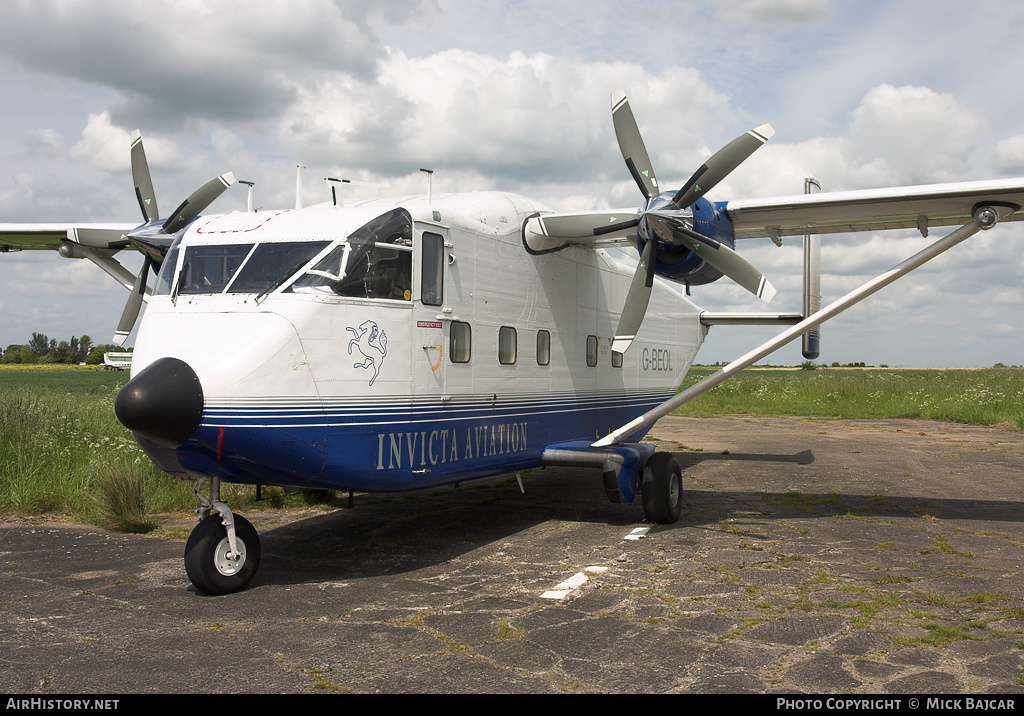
117,360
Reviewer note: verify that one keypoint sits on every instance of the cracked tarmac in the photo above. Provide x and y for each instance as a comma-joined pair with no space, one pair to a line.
820,556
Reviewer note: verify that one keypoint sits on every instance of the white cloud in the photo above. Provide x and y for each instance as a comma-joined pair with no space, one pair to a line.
530,117
911,135
107,147
44,141
774,14
1008,155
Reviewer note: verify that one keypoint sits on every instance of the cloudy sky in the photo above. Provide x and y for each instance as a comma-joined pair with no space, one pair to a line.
515,96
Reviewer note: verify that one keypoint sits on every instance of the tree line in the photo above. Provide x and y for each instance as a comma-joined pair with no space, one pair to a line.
43,349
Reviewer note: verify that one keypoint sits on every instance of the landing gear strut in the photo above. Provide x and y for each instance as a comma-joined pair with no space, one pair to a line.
223,551
662,489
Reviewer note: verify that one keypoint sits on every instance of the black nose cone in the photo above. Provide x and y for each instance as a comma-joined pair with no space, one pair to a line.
163,403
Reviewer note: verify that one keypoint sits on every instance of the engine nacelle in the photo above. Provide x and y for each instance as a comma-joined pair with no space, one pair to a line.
674,260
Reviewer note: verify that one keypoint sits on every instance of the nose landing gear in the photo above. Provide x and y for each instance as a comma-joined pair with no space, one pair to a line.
223,551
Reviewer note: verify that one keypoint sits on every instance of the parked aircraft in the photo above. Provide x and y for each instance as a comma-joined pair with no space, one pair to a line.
407,342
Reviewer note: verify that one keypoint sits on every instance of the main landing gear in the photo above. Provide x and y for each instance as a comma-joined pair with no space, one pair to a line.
223,551
662,489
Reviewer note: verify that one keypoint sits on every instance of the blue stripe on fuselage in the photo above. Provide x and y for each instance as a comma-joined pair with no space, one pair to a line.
396,447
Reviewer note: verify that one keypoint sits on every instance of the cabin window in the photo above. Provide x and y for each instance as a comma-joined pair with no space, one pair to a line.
432,290
273,263
543,347
461,342
616,359
374,262
208,269
507,345
591,351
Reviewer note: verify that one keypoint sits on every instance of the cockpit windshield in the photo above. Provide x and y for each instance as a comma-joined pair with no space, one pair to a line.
236,268
374,262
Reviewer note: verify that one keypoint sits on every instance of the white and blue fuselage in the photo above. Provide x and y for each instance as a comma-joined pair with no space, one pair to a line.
397,344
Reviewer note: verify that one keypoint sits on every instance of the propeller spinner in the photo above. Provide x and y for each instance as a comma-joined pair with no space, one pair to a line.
668,218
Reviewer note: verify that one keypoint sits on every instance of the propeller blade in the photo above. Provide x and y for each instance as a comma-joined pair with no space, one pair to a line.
632,145
728,262
721,164
197,202
134,305
143,181
637,298
99,238
584,225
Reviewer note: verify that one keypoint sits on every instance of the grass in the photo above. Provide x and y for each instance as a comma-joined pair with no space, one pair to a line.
63,452
990,396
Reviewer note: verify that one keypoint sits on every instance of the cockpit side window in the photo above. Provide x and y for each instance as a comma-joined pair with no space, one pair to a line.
165,278
374,262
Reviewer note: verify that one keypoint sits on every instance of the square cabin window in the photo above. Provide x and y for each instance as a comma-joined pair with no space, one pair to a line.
591,351
506,345
461,342
616,359
543,347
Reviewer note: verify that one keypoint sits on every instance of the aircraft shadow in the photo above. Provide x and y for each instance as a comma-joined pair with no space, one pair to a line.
805,457
397,534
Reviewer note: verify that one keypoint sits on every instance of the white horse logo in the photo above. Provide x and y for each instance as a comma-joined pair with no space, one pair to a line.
372,343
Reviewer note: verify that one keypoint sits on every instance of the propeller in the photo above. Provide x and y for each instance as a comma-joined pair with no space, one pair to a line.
669,219
154,241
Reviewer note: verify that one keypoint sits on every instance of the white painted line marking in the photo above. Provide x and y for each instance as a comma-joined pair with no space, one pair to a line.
561,591
555,595
638,533
596,570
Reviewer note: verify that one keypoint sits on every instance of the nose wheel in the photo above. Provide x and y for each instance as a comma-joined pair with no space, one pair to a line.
223,551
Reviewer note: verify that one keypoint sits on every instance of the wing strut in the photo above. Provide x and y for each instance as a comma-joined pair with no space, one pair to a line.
985,217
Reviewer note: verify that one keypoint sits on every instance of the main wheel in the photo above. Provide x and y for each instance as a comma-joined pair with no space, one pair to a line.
208,560
662,489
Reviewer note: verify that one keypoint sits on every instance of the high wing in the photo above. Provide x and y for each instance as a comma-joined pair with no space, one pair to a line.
912,207
21,237
96,242
909,207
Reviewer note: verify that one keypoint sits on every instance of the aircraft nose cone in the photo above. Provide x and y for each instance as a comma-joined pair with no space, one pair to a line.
163,403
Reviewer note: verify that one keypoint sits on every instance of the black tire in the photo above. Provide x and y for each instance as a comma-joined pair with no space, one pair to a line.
662,489
205,551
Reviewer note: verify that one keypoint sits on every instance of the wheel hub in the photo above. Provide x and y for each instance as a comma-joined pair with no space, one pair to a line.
227,562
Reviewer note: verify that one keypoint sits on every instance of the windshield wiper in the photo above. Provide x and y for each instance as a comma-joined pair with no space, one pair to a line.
284,277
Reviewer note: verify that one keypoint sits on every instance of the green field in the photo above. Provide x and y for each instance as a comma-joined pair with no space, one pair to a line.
988,396
63,452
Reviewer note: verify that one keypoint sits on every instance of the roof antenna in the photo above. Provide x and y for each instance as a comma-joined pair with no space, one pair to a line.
298,185
334,194
430,183
248,204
